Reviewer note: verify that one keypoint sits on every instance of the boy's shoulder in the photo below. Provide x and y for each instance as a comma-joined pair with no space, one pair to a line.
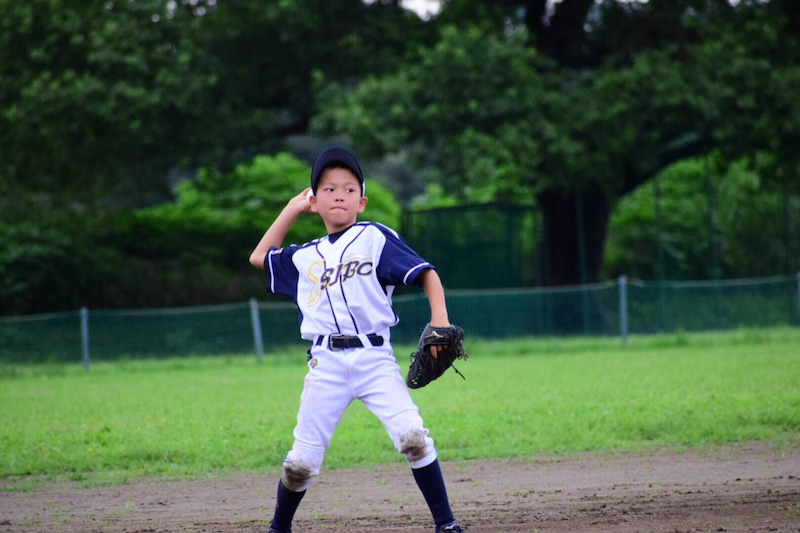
296,247
386,230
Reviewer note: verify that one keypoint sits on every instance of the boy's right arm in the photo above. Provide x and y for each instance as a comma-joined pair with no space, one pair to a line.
274,236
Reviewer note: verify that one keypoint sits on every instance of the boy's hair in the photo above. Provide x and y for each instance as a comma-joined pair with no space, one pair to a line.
335,157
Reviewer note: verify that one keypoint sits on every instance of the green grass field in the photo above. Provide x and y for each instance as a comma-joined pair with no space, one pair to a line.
212,416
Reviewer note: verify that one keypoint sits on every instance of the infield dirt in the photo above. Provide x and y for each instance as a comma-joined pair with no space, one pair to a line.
744,488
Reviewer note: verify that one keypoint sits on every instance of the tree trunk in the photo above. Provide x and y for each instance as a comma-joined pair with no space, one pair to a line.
575,230
575,225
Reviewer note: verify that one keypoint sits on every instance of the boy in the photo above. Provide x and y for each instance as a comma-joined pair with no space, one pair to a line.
342,284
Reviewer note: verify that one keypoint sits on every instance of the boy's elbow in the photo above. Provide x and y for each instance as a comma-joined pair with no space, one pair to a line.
257,260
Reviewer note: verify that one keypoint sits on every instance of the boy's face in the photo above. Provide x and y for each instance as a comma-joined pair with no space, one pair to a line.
338,199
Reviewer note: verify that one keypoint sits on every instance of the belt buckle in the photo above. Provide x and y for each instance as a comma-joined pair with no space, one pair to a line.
337,341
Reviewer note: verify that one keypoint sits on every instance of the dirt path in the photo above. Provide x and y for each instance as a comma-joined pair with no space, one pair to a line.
749,488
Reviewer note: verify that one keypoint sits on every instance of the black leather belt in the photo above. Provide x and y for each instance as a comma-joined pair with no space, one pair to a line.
342,342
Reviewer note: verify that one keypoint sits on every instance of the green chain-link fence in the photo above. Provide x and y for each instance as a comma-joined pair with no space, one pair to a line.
480,246
616,308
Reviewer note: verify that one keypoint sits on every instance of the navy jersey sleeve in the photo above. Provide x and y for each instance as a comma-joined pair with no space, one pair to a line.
399,263
282,274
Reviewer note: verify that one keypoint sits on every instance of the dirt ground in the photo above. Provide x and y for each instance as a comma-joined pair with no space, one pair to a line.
749,488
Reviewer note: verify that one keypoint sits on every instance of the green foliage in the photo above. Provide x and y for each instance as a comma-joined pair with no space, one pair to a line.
49,259
749,224
267,56
103,103
215,203
634,226
483,136
758,227
241,204
206,235
747,73
199,416
512,124
188,252
94,93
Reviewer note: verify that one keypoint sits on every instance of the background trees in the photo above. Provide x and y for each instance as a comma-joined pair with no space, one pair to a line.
94,96
111,109
595,100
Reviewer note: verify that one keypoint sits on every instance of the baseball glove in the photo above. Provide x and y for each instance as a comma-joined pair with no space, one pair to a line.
425,366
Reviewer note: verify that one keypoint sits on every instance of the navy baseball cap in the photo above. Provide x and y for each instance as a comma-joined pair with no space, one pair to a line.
335,157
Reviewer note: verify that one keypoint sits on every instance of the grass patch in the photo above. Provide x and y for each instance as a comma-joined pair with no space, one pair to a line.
199,417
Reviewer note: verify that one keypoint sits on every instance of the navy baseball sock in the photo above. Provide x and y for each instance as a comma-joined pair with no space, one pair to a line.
287,504
430,481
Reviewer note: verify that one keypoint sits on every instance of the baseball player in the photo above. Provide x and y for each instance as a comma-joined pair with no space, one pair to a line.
342,283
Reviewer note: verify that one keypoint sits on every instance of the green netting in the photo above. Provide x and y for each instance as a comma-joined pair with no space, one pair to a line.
708,305
479,246
648,307
41,338
158,333
591,310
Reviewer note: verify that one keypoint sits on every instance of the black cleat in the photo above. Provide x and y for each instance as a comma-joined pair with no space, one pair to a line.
453,527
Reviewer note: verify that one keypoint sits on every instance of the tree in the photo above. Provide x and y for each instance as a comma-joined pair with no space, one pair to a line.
510,127
94,95
204,237
271,59
105,105
190,251
506,115
722,76
749,75
743,219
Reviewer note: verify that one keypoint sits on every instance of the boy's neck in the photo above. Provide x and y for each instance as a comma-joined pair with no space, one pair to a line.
336,234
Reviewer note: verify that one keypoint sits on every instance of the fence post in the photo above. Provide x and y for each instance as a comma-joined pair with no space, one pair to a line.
255,318
85,337
623,308
798,295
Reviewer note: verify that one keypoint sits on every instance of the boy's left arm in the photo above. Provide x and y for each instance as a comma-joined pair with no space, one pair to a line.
440,343
434,290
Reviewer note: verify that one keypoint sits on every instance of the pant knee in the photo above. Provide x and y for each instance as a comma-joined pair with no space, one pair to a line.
296,475
417,447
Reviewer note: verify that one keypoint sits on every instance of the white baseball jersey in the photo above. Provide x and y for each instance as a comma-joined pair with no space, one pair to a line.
343,283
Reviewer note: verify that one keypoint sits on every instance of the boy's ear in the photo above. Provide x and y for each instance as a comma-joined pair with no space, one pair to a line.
362,204
313,201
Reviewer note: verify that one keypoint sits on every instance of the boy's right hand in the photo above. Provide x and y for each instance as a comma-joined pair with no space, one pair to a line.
302,202
274,236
